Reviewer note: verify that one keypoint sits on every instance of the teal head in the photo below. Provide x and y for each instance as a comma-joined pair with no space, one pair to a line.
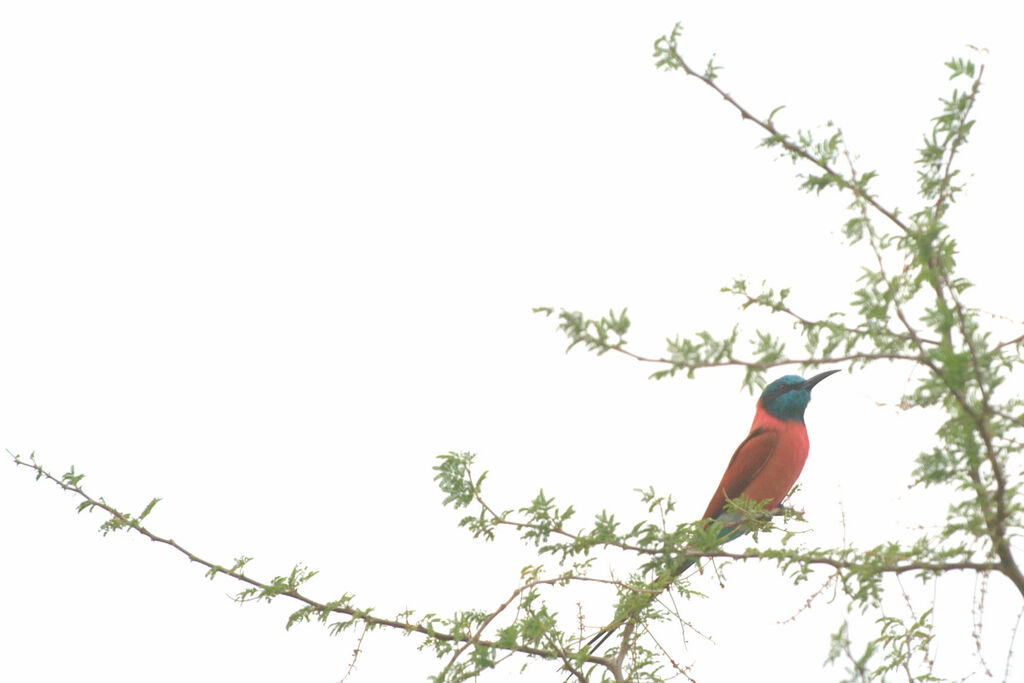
788,396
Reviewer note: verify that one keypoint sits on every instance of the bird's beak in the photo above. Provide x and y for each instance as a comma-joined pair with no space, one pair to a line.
809,384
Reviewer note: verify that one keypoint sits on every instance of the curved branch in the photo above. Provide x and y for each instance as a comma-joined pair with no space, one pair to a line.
783,139
774,364
361,615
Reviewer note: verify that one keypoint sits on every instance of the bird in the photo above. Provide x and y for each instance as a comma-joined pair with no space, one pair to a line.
764,467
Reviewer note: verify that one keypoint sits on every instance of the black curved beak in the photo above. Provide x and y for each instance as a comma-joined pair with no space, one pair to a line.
809,384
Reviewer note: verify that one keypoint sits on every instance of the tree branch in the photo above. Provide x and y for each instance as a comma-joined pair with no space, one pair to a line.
360,615
797,150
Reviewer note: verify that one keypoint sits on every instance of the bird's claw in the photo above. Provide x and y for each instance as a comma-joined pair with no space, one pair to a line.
785,510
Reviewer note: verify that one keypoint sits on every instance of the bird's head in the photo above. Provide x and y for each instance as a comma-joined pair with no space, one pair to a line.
788,396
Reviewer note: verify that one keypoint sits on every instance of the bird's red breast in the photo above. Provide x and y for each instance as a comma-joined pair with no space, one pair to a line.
766,465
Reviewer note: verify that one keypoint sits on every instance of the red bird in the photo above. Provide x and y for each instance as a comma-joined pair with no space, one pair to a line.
764,467
768,462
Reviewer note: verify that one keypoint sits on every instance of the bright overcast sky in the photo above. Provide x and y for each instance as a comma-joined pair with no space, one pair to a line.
266,260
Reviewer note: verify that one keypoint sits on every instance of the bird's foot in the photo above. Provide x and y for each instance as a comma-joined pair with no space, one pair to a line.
785,511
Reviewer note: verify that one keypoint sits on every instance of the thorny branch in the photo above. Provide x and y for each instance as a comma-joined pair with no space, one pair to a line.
803,362
797,150
360,615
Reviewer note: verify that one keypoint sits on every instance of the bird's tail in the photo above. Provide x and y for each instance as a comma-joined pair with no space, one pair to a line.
731,529
604,634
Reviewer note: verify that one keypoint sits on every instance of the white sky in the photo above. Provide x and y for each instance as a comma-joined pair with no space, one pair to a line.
266,260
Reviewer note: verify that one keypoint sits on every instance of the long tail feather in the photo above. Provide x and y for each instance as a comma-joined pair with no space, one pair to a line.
601,636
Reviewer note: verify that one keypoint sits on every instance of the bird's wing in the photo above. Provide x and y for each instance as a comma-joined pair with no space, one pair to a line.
750,458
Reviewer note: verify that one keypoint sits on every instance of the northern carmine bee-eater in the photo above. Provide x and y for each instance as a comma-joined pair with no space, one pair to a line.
764,467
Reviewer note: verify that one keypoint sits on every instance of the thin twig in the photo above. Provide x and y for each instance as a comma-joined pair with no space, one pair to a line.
355,654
